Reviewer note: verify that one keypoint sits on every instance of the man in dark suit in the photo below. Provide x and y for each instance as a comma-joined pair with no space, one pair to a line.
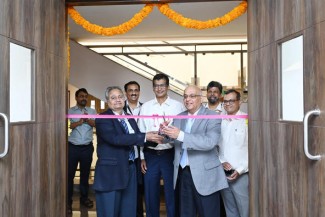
115,173
197,169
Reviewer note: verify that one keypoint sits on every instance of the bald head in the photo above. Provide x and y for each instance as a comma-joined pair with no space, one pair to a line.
192,98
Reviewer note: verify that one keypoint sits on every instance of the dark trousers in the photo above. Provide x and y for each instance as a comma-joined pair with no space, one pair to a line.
159,165
83,155
140,190
191,202
119,203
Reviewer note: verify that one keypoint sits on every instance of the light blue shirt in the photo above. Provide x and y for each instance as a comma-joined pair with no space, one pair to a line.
83,134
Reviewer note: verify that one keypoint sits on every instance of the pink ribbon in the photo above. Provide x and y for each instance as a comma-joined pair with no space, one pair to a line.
160,116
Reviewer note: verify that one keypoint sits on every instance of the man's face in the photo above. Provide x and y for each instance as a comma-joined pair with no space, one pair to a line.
82,99
116,100
192,99
231,103
132,93
160,88
213,95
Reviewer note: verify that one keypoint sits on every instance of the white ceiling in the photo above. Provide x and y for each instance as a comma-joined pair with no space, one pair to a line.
157,27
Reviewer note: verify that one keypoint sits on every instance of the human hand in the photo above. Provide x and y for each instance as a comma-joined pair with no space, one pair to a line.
143,166
171,131
226,166
85,119
153,136
162,126
233,176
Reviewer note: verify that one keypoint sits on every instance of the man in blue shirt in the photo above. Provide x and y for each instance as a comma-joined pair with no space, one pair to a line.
80,148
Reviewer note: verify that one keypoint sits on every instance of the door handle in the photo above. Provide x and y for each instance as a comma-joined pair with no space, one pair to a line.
5,151
306,119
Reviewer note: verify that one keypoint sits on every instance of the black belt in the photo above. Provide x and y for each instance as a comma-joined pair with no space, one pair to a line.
81,145
158,152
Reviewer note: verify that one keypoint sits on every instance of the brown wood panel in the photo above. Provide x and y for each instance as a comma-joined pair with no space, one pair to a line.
282,179
34,172
314,70
36,23
260,23
51,88
283,182
263,80
294,16
4,75
21,20
3,18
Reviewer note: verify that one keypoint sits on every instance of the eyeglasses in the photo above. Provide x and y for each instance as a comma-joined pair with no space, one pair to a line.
192,96
114,98
159,85
230,102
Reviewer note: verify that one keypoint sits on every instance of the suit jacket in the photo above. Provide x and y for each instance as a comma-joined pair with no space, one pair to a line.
201,144
113,146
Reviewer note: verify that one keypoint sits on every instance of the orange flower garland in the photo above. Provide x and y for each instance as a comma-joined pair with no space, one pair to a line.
197,24
120,29
164,9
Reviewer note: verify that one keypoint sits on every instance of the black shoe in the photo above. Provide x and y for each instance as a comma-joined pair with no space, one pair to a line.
69,209
87,203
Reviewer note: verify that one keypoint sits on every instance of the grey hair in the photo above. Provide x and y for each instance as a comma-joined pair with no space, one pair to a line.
109,89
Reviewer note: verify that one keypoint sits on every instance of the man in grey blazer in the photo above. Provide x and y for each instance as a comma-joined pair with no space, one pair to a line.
198,172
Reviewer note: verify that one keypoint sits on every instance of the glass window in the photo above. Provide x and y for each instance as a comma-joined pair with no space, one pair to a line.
223,67
292,90
21,83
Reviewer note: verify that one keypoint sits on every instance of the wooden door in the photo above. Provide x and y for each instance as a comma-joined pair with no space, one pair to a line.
283,181
32,174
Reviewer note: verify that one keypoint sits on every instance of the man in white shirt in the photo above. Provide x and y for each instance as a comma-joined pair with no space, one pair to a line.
214,95
157,159
234,157
132,103
132,106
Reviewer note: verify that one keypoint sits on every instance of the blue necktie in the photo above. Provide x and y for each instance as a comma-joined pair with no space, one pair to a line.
184,157
131,153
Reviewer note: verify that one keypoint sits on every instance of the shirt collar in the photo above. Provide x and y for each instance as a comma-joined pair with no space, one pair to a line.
218,108
138,103
166,102
195,113
78,108
237,113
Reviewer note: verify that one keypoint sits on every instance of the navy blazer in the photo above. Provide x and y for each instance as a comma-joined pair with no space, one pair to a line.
113,146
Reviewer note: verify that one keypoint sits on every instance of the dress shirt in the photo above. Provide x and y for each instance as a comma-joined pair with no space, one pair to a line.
234,143
152,107
135,111
188,126
220,110
83,134
182,132
131,131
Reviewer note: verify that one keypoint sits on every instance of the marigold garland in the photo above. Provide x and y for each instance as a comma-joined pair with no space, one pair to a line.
164,9
120,29
197,24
